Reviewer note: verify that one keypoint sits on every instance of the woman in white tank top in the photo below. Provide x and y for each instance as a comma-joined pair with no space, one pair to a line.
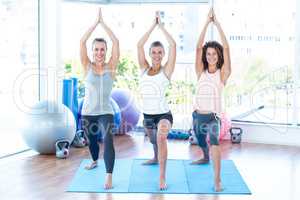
213,68
155,78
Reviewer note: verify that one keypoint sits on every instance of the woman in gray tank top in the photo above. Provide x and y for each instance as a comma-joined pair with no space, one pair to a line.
97,111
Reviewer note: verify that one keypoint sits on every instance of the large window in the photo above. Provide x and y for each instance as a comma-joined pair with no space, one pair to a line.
262,52
19,54
129,23
261,34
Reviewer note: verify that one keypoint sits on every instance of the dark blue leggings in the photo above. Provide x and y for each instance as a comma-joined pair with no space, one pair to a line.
92,127
204,124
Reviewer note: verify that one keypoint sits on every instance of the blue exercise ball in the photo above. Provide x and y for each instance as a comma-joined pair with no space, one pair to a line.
45,124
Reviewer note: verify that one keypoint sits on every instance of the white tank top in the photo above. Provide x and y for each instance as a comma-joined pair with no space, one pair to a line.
153,90
208,97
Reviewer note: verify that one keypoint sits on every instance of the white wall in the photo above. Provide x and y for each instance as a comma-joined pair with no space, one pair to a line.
269,134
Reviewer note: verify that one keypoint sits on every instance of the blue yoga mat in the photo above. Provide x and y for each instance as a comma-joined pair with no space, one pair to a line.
144,179
200,179
130,176
93,180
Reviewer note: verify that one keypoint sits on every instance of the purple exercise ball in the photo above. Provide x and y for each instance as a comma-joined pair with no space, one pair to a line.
130,113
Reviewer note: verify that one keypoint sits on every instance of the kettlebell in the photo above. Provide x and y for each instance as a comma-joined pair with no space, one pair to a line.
79,140
236,135
192,138
62,148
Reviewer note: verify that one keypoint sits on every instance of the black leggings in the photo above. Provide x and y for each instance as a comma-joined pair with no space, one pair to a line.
92,127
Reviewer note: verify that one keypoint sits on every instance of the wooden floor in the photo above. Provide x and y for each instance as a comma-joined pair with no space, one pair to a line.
272,172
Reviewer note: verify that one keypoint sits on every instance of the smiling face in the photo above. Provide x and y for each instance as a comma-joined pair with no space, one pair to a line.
157,53
99,51
212,56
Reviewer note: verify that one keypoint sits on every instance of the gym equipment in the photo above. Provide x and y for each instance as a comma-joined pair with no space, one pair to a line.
180,135
80,140
225,126
45,124
192,138
117,116
80,103
70,96
62,148
67,93
75,99
130,113
236,135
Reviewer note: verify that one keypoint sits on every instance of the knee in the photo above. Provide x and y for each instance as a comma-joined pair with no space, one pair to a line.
214,139
214,134
164,127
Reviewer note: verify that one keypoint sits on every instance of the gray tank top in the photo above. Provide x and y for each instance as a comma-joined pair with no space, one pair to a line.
97,93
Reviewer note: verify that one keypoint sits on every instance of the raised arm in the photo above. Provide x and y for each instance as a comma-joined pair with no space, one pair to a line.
226,68
170,64
115,54
140,47
85,61
199,66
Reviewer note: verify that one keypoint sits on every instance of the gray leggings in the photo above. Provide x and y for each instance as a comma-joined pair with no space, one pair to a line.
92,127
204,124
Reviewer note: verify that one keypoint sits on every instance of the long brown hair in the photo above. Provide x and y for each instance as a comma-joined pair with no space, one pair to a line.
219,49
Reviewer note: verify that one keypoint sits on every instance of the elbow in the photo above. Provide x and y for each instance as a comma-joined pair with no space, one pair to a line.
172,45
140,45
226,46
116,41
82,42
199,48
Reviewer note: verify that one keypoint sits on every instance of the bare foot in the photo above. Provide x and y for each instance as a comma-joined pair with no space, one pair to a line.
200,162
162,184
108,181
218,186
151,162
91,166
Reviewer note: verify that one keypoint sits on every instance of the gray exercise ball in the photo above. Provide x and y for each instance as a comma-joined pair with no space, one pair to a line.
45,124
